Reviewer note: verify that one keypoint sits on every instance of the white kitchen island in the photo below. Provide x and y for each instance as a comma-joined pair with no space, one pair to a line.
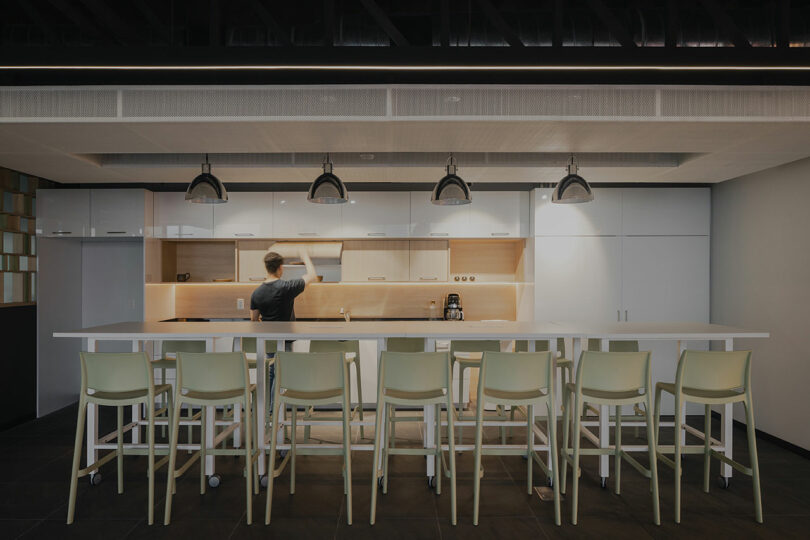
140,332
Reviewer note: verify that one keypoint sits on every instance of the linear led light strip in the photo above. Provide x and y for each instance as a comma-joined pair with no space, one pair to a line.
405,68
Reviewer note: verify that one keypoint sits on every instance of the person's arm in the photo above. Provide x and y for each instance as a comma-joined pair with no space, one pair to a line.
254,314
311,274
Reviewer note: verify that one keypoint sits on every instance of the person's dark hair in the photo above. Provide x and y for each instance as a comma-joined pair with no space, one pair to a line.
273,261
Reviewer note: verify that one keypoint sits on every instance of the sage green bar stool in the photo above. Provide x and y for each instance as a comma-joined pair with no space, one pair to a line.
518,379
211,380
306,380
610,378
167,361
351,351
710,378
248,346
617,346
117,380
402,345
413,380
468,356
566,366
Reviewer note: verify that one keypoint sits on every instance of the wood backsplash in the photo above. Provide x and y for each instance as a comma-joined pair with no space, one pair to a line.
322,300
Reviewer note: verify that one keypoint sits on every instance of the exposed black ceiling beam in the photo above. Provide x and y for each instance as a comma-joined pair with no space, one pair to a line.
671,28
106,17
270,21
614,25
726,24
557,29
329,22
783,24
77,18
36,17
444,29
152,18
214,24
497,20
385,23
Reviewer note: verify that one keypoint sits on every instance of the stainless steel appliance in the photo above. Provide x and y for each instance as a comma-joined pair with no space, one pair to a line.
452,308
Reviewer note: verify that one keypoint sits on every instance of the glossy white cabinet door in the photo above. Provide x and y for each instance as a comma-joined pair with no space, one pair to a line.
63,212
175,217
245,215
577,278
601,217
430,220
665,278
295,217
499,214
666,211
377,214
118,212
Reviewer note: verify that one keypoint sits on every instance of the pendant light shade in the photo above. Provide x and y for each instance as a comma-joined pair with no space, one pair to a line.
451,189
327,188
206,188
572,189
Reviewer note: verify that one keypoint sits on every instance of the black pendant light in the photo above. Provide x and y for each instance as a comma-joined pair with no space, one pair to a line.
451,189
327,188
573,188
206,188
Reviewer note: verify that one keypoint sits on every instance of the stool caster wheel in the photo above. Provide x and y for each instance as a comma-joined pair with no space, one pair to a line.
603,482
380,482
95,479
525,458
214,480
263,480
282,453
431,481
722,481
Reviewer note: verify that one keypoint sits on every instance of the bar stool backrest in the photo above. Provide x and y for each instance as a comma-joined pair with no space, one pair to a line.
516,372
415,372
405,344
176,346
115,372
714,370
614,371
212,371
350,346
310,372
249,345
462,345
540,345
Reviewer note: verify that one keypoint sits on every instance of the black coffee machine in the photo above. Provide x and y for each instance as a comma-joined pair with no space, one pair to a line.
452,308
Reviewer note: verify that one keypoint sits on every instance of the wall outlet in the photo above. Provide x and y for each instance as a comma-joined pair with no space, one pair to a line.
240,303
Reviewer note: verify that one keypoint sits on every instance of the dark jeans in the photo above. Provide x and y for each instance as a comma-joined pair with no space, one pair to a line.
271,376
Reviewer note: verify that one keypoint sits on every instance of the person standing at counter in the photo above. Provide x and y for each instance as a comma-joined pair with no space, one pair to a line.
274,299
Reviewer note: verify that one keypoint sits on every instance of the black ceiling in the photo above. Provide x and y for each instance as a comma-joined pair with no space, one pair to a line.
402,32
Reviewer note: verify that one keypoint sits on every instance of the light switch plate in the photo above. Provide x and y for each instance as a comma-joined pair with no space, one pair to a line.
240,303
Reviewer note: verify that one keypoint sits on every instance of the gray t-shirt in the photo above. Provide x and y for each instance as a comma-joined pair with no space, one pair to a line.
275,301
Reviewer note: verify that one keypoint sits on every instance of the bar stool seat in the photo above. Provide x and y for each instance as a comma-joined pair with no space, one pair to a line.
130,394
723,395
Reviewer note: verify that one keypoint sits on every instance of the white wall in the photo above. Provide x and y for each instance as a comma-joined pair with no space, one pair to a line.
761,280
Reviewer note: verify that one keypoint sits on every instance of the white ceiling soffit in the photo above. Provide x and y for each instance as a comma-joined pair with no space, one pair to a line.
319,103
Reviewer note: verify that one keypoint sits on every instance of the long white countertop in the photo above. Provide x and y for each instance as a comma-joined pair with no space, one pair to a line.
422,329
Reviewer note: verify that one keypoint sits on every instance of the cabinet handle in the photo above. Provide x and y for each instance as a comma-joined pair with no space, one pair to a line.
376,278
307,234
376,234
625,315
186,234
499,234
619,315
61,232
434,278
439,234
244,234
116,232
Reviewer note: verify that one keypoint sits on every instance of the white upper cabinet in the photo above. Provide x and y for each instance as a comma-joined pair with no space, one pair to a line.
120,212
666,211
175,217
499,214
374,214
245,215
430,220
295,217
601,217
63,212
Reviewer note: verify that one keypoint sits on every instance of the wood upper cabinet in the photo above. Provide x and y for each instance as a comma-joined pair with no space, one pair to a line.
371,214
499,214
63,212
295,217
175,217
375,260
245,215
120,212
430,220
429,260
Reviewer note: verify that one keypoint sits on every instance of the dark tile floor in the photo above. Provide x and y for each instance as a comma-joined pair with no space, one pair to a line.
36,459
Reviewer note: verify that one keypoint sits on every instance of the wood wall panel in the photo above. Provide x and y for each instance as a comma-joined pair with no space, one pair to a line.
324,300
